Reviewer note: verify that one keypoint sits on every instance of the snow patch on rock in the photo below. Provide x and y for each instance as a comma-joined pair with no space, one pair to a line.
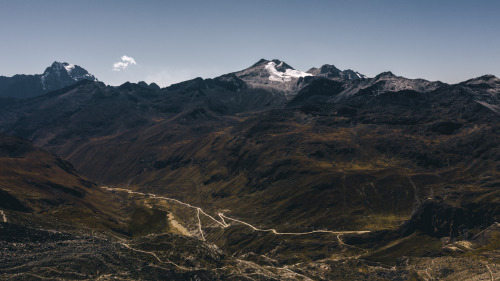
275,75
69,67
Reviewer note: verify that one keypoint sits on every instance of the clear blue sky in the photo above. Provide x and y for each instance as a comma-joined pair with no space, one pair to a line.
172,41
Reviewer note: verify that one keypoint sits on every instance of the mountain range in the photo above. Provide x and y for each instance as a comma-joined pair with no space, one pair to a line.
322,175
56,76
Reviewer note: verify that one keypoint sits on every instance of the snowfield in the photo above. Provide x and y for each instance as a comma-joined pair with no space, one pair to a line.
275,75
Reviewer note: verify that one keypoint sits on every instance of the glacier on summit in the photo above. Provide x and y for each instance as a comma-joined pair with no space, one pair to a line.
276,75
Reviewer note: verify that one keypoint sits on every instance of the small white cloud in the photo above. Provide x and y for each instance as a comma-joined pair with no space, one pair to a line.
126,61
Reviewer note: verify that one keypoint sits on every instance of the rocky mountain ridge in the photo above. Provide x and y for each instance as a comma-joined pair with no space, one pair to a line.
55,77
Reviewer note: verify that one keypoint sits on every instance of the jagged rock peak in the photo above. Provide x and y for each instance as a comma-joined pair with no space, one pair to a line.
75,72
280,65
153,86
385,74
63,74
261,61
487,77
330,71
324,69
490,82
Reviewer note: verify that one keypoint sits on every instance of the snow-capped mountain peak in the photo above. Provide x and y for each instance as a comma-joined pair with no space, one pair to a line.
75,72
62,74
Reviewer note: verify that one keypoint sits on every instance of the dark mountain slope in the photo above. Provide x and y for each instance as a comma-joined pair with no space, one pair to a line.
291,167
199,135
363,154
36,186
54,224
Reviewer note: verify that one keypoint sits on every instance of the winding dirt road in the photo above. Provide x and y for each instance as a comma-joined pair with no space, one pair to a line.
222,221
